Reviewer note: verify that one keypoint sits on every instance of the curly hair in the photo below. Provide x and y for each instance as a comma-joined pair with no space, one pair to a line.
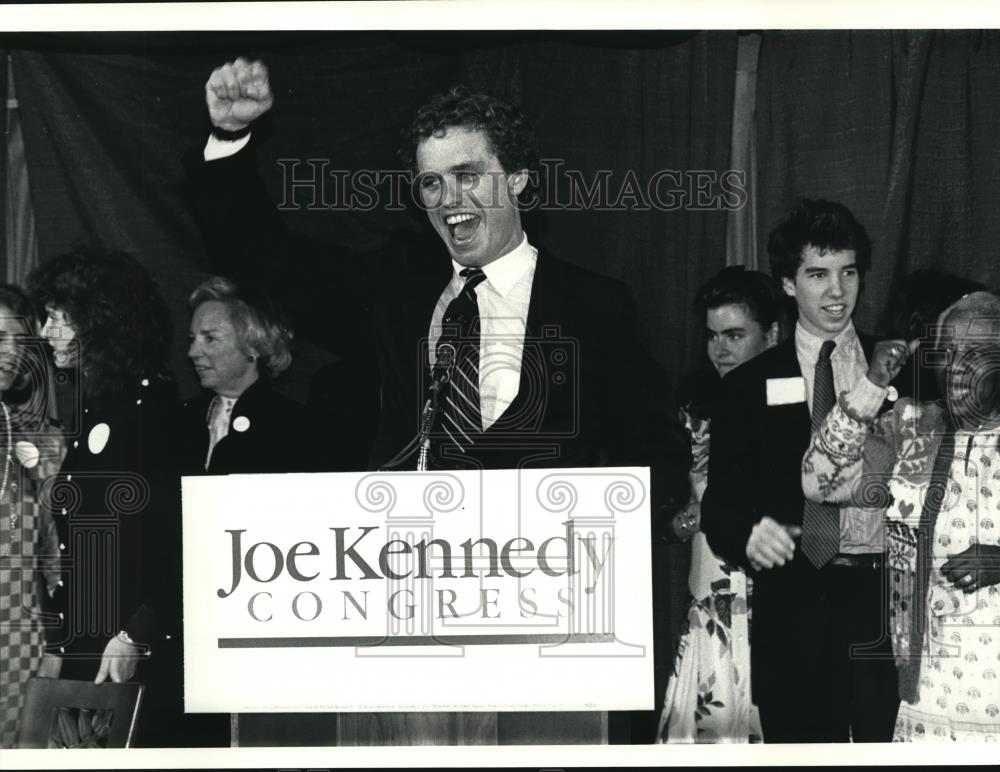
260,326
511,137
826,225
116,310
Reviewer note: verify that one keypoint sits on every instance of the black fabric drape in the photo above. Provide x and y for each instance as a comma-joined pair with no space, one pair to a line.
640,114
3,161
107,118
899,126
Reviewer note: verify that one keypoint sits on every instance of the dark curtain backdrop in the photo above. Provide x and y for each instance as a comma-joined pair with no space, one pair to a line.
638,110
20,240
900,126
107,118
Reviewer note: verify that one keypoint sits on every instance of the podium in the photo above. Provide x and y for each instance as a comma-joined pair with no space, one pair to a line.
495,607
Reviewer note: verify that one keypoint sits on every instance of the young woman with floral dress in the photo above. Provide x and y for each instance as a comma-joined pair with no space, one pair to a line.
708,696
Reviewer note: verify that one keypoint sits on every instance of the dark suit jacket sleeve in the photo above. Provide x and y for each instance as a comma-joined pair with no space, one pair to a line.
158,612
324,289
727,512
643,418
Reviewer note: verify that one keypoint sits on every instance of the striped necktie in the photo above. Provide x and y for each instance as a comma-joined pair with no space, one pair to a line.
821,522
461,413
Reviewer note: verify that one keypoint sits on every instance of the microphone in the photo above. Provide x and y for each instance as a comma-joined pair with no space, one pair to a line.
443,365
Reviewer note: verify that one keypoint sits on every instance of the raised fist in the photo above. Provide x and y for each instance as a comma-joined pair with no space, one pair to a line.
237,93
888,359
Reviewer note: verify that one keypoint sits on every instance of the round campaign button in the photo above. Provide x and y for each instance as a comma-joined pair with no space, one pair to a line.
98,438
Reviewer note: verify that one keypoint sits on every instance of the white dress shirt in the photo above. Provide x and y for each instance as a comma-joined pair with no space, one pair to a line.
503,312
217,148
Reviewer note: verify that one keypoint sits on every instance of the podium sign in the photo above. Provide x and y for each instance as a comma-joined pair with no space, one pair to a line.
418,591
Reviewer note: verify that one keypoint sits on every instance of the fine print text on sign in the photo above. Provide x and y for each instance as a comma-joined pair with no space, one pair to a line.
422,591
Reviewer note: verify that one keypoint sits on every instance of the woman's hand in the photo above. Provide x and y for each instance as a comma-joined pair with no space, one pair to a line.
687,522
888,358
975,567
119,661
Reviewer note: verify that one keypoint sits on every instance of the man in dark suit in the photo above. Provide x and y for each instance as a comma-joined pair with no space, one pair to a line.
538,362
822,668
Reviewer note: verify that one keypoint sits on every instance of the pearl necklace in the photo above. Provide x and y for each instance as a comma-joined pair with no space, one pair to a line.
6,477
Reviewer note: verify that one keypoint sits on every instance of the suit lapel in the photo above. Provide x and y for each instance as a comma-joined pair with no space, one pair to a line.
788,360
794,417
547,307
417,298
548,297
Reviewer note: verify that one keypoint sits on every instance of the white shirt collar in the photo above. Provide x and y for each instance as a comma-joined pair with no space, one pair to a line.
504,272
808,345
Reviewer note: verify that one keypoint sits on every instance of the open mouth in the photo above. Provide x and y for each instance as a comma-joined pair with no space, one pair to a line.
838,309
462,227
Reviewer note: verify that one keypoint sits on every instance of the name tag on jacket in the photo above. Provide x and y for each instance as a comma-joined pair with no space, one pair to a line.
786,391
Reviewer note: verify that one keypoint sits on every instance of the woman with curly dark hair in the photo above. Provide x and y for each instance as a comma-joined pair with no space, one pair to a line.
105,317
115,498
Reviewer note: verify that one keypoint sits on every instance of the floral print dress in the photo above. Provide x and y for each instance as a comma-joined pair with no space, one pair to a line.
955,690
708,695
959,692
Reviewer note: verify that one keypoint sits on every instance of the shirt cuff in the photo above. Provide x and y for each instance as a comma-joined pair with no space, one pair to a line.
217,148
864,400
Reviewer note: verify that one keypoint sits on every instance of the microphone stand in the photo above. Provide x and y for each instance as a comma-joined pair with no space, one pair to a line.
441,376
426,422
